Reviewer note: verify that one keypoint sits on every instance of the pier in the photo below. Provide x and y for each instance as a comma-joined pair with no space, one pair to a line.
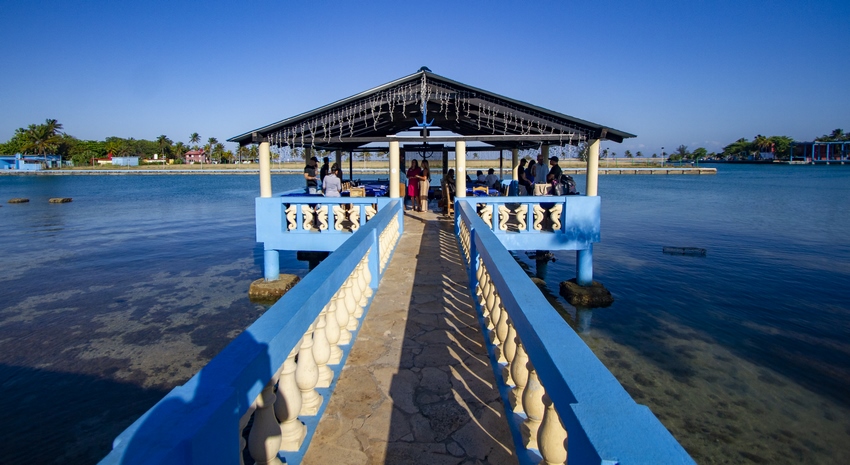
419,339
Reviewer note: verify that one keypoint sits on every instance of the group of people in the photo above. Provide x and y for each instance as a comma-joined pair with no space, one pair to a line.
419,178
538,173
491,180
329,177
418,184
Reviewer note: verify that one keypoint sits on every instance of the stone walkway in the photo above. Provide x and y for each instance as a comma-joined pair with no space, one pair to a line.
417,386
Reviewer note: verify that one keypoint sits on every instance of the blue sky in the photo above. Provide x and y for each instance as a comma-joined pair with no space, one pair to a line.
698,73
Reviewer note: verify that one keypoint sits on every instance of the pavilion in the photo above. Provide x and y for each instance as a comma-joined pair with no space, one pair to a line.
425,102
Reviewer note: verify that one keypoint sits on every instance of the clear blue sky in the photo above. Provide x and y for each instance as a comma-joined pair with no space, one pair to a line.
698,73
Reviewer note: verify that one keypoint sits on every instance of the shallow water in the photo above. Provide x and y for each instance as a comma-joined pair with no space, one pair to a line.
109,301
743,354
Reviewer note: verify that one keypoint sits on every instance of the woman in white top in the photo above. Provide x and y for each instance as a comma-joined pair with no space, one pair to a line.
332,184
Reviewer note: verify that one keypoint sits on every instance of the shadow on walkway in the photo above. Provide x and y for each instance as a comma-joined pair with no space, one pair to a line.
417,387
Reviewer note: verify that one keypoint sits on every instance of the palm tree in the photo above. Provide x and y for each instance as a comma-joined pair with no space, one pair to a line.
164,142
194,139
212,141
179,150
639,154
762,143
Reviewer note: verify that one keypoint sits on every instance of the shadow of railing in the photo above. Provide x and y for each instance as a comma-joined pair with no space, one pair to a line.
273,382
454,409
563,397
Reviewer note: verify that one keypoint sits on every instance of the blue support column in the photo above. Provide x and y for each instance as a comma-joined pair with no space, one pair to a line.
584,266
271,265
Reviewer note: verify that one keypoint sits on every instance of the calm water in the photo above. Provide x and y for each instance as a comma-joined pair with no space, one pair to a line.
108,301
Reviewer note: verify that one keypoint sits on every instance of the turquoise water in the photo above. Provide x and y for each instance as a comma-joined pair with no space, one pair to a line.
108,301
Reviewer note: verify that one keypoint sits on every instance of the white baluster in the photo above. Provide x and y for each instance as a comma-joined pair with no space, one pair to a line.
479,275
495,316
490,299
361,286
287,406
532,404
367,274
502,333
551,437
243,422
350,302
332,333
307,375
356,293
509,351
342,318
519,373
264,438
322,350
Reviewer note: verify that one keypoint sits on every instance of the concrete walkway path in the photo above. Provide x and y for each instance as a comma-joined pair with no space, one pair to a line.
417,386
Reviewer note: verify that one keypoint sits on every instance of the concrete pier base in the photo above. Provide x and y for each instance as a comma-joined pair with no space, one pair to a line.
270,291
591,296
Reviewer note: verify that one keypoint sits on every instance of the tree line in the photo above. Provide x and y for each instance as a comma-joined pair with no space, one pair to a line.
49,139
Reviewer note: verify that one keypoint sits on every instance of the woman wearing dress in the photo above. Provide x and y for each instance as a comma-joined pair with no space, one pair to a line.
424,186
413,183
332,185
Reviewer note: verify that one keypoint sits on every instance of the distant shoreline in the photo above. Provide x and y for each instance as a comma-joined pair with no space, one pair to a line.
669,170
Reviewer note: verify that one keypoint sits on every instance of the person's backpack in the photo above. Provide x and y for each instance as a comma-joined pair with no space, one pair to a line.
568,185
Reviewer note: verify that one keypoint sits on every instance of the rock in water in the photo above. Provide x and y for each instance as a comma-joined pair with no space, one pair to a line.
18,200
60,200
592,296
270,291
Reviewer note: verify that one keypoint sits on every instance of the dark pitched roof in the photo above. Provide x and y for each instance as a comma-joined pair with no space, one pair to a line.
396,107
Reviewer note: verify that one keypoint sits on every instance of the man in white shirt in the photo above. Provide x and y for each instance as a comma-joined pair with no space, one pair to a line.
491,180
541,169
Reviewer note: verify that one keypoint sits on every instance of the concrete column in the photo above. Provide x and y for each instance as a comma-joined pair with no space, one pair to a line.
394,175
584,266
271,265
460,168
593,168
265,170
544,150
515,164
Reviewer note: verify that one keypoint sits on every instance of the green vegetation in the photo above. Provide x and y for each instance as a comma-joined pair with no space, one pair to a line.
48,139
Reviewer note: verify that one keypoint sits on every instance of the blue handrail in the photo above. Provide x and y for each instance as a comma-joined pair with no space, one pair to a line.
604,424
198,422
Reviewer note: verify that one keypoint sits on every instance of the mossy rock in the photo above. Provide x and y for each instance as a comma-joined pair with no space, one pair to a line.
262,291
592,296
60,200
18,200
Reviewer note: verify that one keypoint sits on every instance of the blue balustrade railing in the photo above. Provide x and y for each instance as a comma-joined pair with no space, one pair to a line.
289,221
564,401
541,223
264,394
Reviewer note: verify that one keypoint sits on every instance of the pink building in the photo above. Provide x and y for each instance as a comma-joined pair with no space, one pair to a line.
196,156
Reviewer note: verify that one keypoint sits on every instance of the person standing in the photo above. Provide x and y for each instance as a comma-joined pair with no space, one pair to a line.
324,171
530,171
540,170
554,176
523,178
424,186
332,185
310,176
413,183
